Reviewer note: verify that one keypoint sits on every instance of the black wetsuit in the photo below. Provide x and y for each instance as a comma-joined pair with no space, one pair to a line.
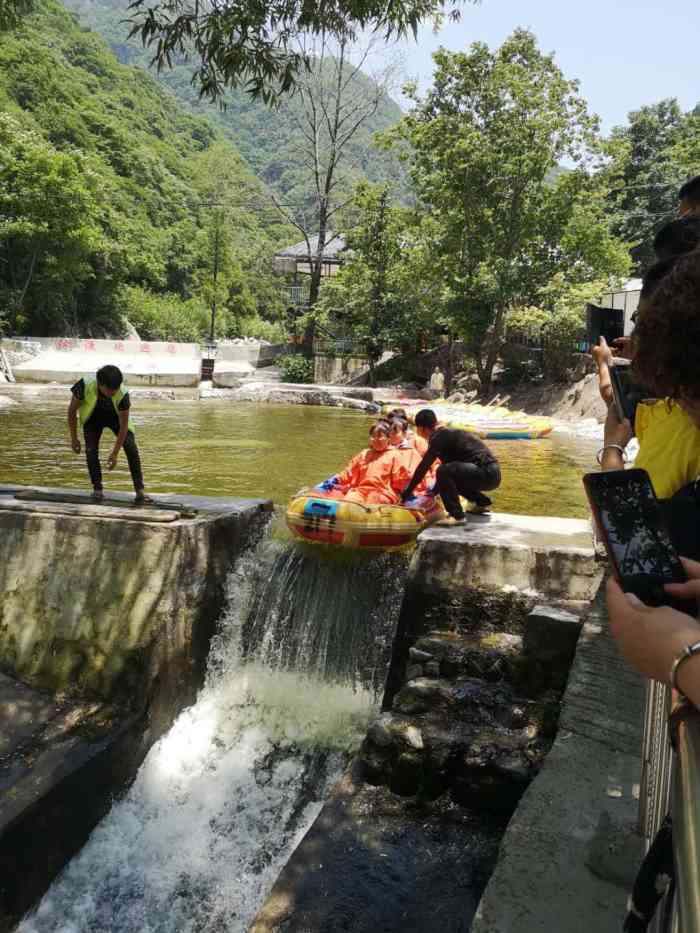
105,416
468,468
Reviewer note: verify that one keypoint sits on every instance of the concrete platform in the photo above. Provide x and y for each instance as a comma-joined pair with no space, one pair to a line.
145,363
96,605
61,762
571,851
551,557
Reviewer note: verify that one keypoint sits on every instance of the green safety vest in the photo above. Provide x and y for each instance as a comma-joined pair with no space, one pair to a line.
87,406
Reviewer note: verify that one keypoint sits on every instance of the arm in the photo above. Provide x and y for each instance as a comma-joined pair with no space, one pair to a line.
345,478
421,470
121,437
73,423
603,357
616,434
650,639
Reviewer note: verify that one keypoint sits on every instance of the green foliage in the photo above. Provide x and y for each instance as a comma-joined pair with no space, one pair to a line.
260,46
11,12
649,159
105,184
483,146
296,368
267,138
164,316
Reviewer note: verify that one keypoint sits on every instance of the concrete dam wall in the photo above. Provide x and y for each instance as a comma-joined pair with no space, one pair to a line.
106,614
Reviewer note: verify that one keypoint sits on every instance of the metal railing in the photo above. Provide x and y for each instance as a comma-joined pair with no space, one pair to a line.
672,780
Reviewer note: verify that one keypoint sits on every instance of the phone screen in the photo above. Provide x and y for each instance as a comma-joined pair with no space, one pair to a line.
635,534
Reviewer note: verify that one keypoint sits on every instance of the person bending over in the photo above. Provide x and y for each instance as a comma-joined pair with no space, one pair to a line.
468,467
102,401
371,477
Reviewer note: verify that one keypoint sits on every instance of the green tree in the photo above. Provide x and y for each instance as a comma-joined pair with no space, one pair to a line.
12,11
376,298
49,226
649,159
484,143
256,45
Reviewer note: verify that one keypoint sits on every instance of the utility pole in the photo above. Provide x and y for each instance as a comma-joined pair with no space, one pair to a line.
215,278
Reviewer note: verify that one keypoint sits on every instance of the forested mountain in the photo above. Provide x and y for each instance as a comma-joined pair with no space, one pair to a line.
266,137
111,196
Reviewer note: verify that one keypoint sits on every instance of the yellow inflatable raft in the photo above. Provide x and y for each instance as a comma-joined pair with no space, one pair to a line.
321,520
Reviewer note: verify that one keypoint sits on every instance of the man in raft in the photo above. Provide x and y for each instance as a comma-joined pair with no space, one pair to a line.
468,467
102,401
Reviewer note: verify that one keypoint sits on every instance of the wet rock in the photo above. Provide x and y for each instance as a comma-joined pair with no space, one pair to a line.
407,775
549,646
380,731
414,671
432,669
419,656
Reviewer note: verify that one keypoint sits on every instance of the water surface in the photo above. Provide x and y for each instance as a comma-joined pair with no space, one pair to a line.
220,448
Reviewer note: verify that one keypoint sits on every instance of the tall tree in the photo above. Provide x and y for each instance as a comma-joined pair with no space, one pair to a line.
256,44
334,103
483,145
645,171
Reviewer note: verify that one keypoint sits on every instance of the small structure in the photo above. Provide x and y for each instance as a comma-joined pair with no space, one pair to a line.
625,299
296,261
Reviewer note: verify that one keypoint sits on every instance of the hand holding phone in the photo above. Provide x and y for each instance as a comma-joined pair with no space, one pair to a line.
631,524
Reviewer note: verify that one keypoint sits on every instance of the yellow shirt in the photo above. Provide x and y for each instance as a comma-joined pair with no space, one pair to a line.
669,446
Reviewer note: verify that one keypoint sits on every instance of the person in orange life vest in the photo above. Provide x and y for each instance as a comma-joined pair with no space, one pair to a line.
409,455
371,477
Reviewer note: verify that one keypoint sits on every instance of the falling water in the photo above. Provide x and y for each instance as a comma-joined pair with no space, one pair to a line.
222,800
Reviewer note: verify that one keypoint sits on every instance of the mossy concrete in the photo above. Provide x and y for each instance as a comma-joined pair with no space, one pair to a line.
93,605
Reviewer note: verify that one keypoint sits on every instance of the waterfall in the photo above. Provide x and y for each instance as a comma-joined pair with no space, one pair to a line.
221,801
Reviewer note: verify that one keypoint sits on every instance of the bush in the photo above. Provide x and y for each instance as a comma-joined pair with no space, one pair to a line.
296,368
261,329
165,317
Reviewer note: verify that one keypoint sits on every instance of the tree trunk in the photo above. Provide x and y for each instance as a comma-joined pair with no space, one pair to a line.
27,281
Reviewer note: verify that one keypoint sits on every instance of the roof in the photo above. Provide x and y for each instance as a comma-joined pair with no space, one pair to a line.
335,244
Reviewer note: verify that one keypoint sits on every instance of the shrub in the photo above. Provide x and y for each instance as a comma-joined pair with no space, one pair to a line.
296,368
261,329
165,317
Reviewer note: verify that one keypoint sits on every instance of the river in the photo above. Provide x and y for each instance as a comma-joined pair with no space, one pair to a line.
219,448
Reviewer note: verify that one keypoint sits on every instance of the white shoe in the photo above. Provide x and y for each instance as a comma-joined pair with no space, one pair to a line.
450,521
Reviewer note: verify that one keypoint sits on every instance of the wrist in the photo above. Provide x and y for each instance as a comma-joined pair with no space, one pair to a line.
687,679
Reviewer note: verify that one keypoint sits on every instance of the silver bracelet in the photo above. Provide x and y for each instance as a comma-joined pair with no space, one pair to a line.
599,455
686,653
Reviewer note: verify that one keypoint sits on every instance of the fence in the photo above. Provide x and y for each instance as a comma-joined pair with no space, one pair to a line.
672,781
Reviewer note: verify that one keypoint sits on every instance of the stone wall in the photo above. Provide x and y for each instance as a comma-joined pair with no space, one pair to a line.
96,603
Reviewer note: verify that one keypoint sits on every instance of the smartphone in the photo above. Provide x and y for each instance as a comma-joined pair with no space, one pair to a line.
603,322
621,386
631,524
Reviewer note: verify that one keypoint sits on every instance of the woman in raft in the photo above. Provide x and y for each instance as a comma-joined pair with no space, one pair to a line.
377,474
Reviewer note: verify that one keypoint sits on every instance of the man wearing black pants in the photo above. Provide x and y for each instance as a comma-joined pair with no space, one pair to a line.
103,402
468,467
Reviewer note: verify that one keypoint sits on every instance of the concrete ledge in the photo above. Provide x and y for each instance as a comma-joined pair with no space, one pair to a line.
61,762
553,557
98,606
571,850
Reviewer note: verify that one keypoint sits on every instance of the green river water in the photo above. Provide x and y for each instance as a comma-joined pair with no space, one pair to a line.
213,448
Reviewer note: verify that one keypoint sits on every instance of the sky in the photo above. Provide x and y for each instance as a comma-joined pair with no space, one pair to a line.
625,53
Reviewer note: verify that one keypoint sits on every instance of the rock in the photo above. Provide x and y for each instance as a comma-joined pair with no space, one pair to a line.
6,402
416,655
432,669
407,775
550,640
413,671
380,731
456,397
412,737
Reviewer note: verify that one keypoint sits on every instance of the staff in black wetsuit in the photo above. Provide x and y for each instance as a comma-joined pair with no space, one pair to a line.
468,466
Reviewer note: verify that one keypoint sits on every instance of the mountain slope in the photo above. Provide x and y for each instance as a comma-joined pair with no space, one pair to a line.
265,137
146,175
